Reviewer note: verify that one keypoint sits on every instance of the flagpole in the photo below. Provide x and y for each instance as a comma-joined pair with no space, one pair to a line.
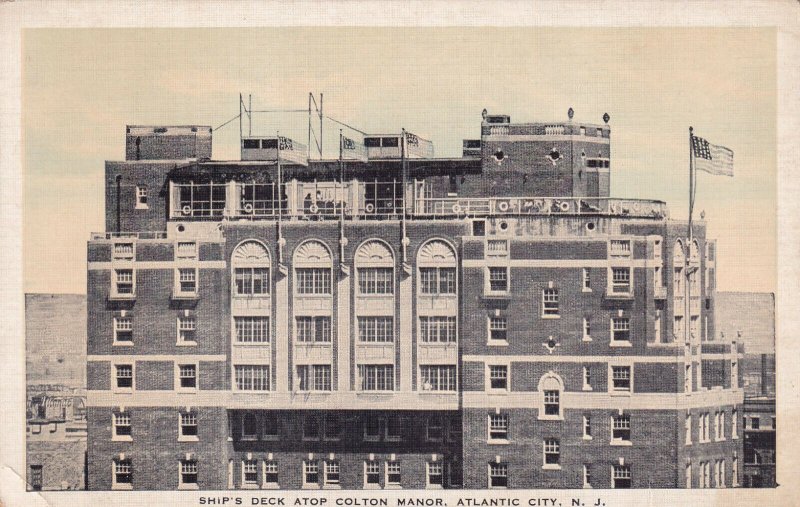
280,196
687,254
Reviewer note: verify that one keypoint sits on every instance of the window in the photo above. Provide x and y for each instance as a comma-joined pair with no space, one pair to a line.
36,477
200,199
310,474
124,282
498,377
249,426
270,474
124,376
552,404
186,250
735,424
620,248
311,427
437,280
586,280
677,282
434,428
315,377
372,474
187,281
755,423
688,428
141,197
498,279
187,375
313,280
550,302
251,281
706,427
498,330
687,378
270,424
123,330
188,475
621,378
735,470
332,427
688,475
621,477
677,328
252,377
393,475
251,329
620,429
497,247
498,475
331,473
587,329
587,378
250,472
123,251
658,326
187,328
376,280
187,425
587,476
376,377
372,428
435,474
437,329
123,474
313,329
620,280
438,378
621,330
376,329
498,427
552,452
122,426
587,427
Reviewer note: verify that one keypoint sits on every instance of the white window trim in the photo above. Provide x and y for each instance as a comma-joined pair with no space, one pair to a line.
116,485
497,441
185,343
187,438
264,483
587,476
114,293
587,321
489,476
428,484
177,368
192,256
619,441
489,340
325,483
142,189
120,257
488,379
541,416
177,292
487,288
620,343
116,342
543,315
610,277
550,466
123,390
368,485
586,275
586,371
248,485
114,436
392,485
584,420
611,389
190,485
311,485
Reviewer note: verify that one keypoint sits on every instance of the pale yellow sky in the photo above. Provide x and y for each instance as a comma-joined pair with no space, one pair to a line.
81,87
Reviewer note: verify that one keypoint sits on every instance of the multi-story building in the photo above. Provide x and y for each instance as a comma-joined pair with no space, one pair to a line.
390,319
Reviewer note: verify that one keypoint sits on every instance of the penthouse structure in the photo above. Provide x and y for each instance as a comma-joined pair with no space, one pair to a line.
390,319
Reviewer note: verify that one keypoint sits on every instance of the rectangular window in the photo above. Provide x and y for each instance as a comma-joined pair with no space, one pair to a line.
251,281
123,330
552,403
437,329
755,423
621,330
372,473
621,378
249,426
437,280
620,247
188,424
250,472
310,473
658,326
587,427
270,424
435,474
735,424
621,428
549,302
434,427
124,282
552,451
311,427
123,472
252,377
251,329
187,329
141,196
187,376
586,280
587,476
188,472
122,425
587,378
124,376
498,427
376,280
498,279
315,377
372,428
333,428
688,429
587,329
677,282
313,329
497,248
187,281
376,377
123,251
331,473
735,470
313,280
376,329
186,250
36,477
498,475
498,329
393,476
498,377
621,476
621,280
438,378
271,474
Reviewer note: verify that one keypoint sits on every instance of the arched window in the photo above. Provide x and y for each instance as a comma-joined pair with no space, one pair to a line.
375,265
251,261
694,254
312,266
436,261
678,253
550,388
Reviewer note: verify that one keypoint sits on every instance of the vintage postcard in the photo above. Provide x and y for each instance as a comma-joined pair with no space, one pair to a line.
386,257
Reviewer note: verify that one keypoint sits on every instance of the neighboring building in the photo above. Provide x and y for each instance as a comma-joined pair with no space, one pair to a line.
495,320
55,340
750,317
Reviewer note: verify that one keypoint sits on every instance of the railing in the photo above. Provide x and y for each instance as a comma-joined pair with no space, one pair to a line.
99,236
457,207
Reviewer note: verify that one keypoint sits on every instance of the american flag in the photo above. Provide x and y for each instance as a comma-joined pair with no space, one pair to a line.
353,150
285,143
348,144
712,158
412,139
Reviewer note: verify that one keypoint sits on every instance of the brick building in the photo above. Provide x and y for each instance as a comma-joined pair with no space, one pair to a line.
395,320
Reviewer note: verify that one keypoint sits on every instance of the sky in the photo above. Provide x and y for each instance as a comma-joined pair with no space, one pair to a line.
81,87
